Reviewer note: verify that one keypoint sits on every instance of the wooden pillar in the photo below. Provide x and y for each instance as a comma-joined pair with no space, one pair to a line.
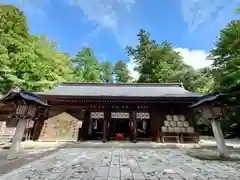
85,124
106,120
80,133
134,126
156,118
16,142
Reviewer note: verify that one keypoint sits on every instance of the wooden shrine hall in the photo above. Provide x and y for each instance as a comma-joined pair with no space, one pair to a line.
98,111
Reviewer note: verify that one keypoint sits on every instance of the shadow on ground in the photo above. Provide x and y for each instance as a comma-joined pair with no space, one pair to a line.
213,155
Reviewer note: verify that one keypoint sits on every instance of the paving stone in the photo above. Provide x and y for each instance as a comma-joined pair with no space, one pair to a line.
103,171
78,175
138,176
114,172
113,178
92,163
125,173
63,176
100,178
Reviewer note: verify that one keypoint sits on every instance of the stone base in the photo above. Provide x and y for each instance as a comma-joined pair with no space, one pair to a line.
11,157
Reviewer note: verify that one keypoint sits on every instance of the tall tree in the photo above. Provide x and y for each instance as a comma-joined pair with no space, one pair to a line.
122,74
160,63
107,72
226,70
226,57
32,62
155,62
87,66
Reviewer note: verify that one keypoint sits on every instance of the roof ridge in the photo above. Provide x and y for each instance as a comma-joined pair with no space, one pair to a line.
120,84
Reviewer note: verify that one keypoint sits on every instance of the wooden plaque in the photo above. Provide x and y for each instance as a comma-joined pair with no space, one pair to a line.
62,127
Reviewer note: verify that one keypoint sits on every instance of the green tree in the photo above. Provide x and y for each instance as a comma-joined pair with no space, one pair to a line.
156,63
226,71
160,63
31,62
107,72
226,57
87,67
122,74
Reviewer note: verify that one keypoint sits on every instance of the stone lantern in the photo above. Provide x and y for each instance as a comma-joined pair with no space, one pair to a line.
27,107
214,112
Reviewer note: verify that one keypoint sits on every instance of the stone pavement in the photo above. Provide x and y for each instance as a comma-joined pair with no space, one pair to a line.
27,156
123,164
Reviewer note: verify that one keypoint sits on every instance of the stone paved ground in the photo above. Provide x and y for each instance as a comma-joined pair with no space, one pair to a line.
124,164
27,156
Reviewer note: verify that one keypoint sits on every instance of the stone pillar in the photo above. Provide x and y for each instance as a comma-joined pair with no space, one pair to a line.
222,148
107,116
16,142
134,125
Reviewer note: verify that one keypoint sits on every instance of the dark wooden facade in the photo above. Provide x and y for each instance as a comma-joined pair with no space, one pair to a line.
81,100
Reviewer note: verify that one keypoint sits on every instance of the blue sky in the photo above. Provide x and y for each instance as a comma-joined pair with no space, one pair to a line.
109,25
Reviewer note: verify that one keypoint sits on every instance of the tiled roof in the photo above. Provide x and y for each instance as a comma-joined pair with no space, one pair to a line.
17,93
121,90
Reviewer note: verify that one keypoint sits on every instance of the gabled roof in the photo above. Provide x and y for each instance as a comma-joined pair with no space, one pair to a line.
17,93
216,98
121,90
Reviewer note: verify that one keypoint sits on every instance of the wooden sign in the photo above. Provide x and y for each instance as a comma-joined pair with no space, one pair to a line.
62,127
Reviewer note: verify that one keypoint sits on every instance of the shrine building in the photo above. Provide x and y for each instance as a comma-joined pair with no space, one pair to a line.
109,111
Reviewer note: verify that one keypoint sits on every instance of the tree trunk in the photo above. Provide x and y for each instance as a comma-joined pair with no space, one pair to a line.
222,148
16,142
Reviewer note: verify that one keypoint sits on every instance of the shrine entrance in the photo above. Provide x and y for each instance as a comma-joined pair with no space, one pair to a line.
95,130
143,126
119,126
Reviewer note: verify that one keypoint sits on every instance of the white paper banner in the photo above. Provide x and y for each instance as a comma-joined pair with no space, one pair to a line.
97,115
142,115
120,115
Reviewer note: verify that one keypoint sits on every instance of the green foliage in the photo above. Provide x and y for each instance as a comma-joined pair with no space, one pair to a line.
87,67
226,57
226,71
121,72
32,62
160,63
107,72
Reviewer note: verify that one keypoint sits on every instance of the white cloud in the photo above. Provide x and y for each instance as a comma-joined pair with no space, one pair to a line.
197,13
131,67
195,58
107,14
